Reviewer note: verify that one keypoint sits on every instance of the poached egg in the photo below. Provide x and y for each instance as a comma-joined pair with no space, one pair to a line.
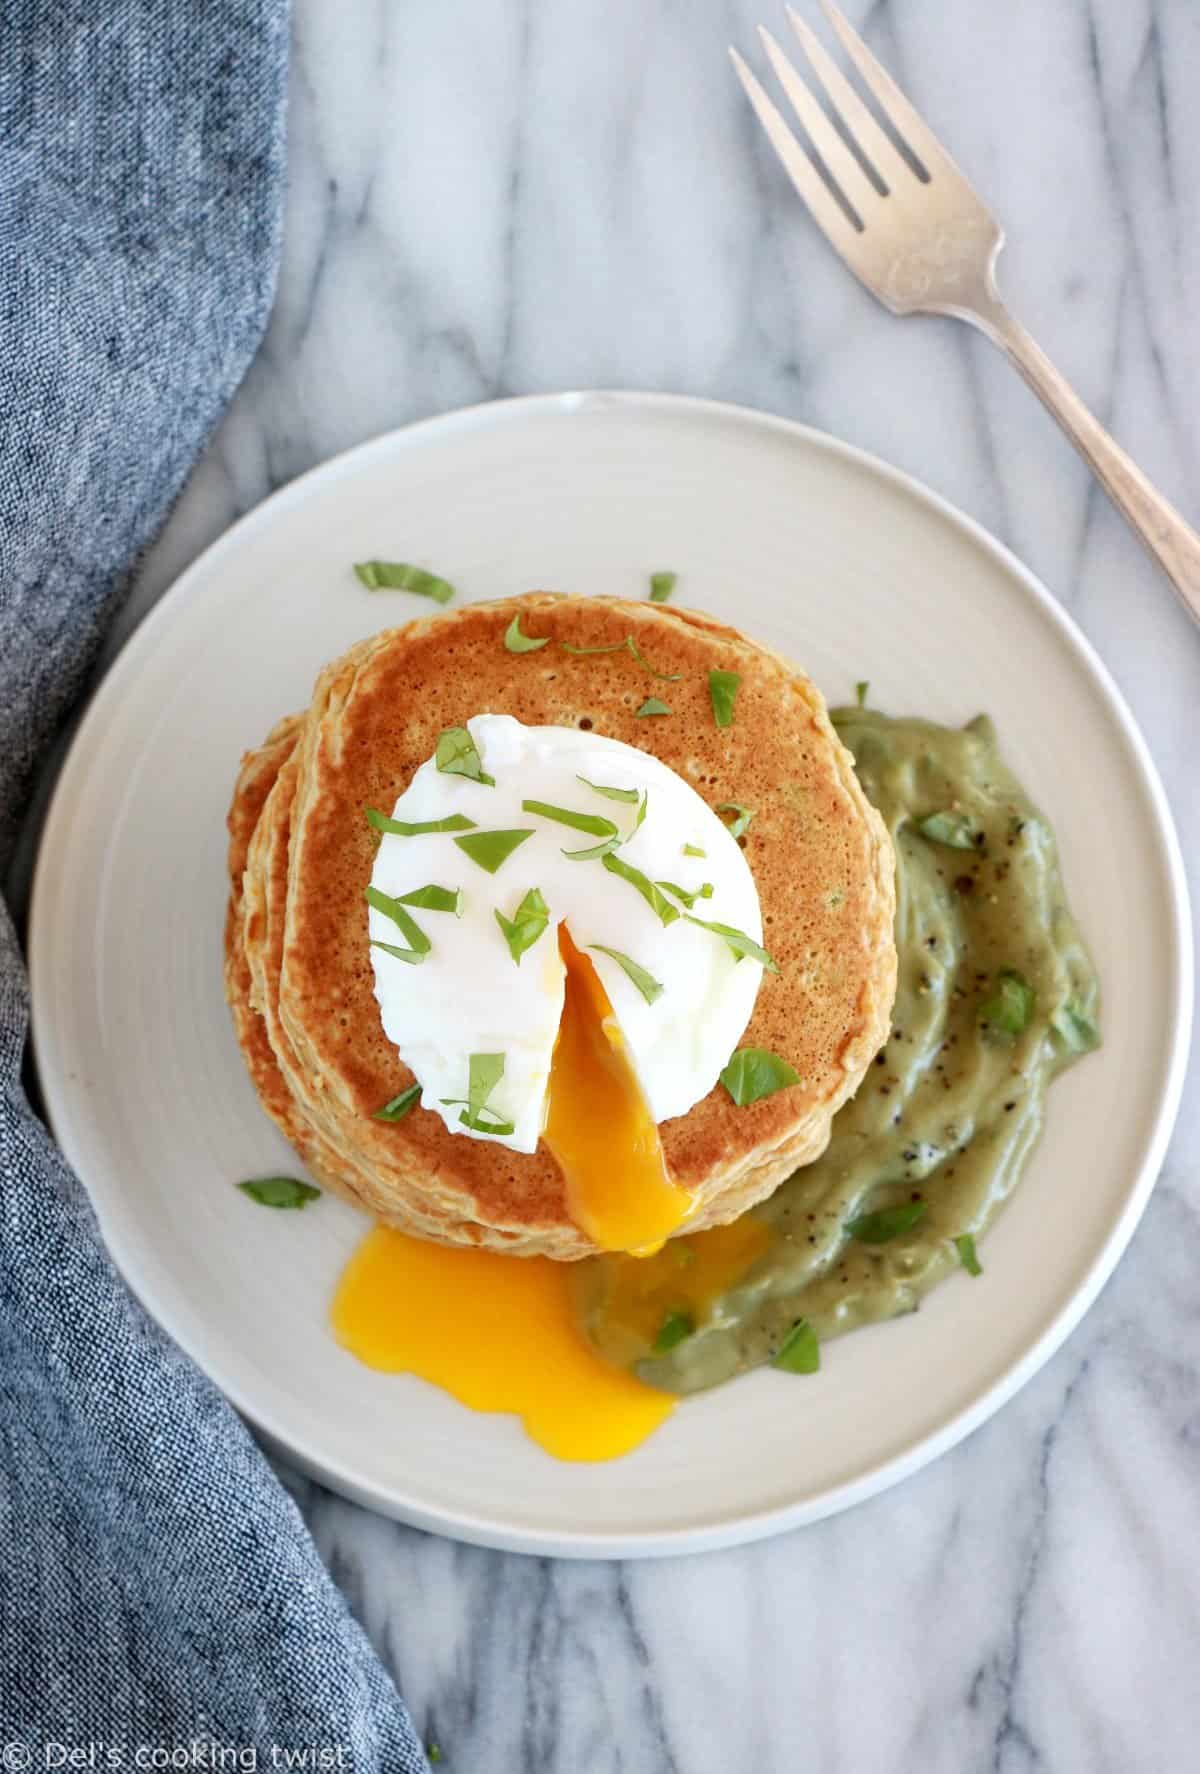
614,1006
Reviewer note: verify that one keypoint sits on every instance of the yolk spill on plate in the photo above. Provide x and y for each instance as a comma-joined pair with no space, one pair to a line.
599,1128
499,1334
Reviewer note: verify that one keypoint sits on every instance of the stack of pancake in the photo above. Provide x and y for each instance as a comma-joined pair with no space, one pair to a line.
298,970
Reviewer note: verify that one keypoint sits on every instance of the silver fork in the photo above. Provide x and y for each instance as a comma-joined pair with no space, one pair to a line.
924,244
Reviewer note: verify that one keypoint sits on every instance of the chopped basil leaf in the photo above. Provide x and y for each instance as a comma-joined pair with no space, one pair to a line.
887,1223
676,1327
684,896
955,830
399,1106
1010,1006
435,899
484,1072
403,828
662,908
630,795
585,652
753,1073
653,705
737,940
413,956
516,642
400,576
722,688
434,1753
661,586
457,755
408,926
526,925
602,849
630,646
594,823
800,1352
964,1244
279,1191
490,849
668,677
645,982
1075,1029
741,821
860,691
694,850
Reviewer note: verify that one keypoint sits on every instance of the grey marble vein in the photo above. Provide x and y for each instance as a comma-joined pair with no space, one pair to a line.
532,194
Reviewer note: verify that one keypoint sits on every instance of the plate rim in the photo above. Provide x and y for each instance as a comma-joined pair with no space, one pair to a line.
728,1529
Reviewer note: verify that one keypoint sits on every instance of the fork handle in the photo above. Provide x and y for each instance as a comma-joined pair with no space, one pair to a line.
1169,537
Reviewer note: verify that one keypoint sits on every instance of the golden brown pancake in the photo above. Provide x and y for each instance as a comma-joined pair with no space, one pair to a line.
299,973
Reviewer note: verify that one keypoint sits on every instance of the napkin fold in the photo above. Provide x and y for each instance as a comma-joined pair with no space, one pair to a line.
159,1591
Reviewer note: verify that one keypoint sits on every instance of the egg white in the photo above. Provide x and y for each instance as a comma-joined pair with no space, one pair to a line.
469,996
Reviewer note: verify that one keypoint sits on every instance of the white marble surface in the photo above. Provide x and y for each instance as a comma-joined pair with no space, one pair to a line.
520,195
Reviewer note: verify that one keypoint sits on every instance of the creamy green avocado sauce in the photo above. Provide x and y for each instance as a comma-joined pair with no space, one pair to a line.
996,995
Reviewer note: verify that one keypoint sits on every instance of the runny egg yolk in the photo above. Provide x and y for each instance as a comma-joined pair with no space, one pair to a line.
598,1127
499,1334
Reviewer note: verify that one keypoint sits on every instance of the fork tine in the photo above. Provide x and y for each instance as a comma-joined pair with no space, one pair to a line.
826,210
875,143
852,181
908,123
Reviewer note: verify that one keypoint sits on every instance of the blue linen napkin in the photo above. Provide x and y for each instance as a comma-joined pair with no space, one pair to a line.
158,1589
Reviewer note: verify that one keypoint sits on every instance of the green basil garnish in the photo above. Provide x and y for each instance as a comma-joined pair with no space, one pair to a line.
594,823
684,896
800,1352
722,689
661,586
964,1244
435,899
526,925
516,642
653,705
279,1191
752,1073
742,817
887,1223
403,828
630,795
737,940
399,1106
662,908
694,850
400,576
419,943
955,830
414,957
676,1327
630,646
1010,1006
457,755
484,1072
645,982
490,849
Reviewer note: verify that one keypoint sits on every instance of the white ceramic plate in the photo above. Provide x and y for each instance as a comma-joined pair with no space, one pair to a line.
841,563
